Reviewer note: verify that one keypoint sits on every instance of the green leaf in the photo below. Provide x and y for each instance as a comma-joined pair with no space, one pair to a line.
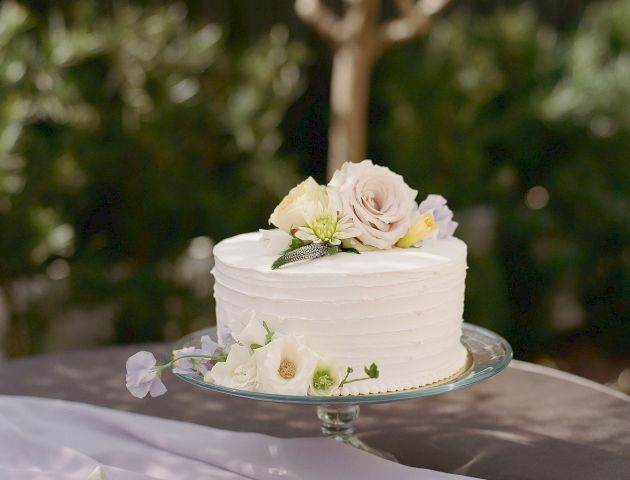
350,250
254,346
269,333
333,249
372,371
295,244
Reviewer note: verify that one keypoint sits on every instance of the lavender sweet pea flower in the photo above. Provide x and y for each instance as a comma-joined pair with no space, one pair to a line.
143,377
226,339
209,346
188,366
185,365
442,215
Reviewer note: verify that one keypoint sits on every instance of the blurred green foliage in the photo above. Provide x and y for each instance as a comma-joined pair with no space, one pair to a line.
132,138
526,133
124,136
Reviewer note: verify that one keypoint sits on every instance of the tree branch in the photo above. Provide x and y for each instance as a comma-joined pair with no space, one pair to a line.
431,7
321,19
414,21
406,7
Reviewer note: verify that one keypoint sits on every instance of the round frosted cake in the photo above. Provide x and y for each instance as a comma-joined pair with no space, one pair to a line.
399,308
358,290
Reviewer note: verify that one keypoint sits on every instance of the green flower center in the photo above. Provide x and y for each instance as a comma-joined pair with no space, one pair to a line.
323,380
324,227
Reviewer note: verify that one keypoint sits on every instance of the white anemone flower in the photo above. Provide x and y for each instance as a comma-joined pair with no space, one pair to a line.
324,225
285,366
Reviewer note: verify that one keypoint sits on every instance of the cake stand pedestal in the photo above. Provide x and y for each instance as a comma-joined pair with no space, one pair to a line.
338,423
488,354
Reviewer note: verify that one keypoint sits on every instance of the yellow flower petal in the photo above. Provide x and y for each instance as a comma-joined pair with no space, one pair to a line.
419,230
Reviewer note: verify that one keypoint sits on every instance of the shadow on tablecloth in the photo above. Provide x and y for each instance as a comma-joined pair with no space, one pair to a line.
518,425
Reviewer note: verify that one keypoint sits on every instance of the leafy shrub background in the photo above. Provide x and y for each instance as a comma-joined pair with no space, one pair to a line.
133,137
126,134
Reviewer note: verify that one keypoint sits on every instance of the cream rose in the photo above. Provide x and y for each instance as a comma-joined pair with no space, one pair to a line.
289,214
377,200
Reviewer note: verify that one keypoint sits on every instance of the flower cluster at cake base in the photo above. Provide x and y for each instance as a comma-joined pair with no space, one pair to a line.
364,207
255,358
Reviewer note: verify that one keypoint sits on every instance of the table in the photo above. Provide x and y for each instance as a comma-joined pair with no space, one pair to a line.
529,422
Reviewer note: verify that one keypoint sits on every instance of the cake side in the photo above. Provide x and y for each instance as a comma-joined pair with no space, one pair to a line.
399,308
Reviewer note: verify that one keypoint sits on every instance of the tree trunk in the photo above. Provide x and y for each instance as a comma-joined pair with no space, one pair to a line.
349,97
358,38
350,86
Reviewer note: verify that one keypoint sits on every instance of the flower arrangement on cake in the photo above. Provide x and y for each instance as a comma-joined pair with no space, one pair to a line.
251,358
365,207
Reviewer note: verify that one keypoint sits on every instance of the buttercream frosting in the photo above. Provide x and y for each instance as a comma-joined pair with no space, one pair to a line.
400,308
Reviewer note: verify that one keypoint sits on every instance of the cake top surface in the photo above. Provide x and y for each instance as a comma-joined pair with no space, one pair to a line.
247,252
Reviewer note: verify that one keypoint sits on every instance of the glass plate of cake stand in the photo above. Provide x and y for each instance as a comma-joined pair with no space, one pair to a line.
488,354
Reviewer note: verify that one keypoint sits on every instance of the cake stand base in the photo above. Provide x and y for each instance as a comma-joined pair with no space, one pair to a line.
488,354
338,423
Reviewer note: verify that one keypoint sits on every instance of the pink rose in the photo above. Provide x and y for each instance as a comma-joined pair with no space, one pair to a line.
377,200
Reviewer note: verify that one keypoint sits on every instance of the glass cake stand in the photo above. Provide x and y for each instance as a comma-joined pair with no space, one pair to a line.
488,354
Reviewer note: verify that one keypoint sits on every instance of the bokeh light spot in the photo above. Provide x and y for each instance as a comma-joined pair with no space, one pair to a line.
200,248
58,269
537,197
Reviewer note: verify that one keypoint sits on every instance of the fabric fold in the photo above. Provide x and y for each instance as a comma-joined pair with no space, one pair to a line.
42,439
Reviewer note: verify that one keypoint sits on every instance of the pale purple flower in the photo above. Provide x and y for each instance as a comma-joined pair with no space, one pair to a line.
209,346
188,366
184,365
143,376
226,339
442,215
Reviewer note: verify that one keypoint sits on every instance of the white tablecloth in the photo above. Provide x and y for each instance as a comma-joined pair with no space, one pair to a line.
43,439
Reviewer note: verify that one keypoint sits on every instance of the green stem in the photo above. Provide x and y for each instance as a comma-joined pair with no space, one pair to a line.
349,370
213,358
372,372
344,381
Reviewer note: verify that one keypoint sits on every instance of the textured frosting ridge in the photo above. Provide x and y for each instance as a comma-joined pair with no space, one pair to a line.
401,308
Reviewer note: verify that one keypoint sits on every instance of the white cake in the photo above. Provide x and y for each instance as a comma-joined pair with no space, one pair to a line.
399,308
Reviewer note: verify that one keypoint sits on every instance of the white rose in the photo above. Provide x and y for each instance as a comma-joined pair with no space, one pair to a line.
289,214
238,370
285,366
274,241
377,200
248,329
